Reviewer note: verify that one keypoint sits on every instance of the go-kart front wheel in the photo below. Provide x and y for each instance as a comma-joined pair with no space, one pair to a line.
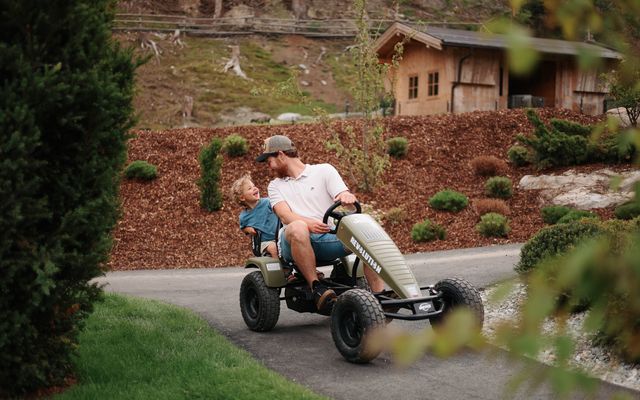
259,304
456,293
356,314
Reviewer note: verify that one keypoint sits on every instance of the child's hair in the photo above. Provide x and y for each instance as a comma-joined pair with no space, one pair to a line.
236,188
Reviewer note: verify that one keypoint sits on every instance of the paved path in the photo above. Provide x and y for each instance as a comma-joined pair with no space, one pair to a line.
301,348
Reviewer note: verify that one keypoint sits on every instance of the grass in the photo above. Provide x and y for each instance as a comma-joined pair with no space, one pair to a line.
142,349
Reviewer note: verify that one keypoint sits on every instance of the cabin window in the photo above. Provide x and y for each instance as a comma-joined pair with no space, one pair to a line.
413,87
432,83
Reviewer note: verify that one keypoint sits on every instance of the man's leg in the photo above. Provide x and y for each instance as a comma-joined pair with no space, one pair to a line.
375,282
297,234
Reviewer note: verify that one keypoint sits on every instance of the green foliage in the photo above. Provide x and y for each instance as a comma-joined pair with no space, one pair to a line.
235,146
498,186
209,182
625,92
449,200
571,128
628,210
493,225
141,170
551,214
427,231
576,215
395,216
65,108
519,155
554,240
397,146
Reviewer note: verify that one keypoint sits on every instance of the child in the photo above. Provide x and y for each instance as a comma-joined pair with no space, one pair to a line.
256,215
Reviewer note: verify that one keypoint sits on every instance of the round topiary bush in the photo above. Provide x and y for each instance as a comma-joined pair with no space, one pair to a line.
449,200
551,214
397,146
235,146
519,155
427,231
576,215
628,210
493,225
554,240
141,170
499,186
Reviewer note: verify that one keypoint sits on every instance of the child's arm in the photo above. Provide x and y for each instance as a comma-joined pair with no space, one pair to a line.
249,231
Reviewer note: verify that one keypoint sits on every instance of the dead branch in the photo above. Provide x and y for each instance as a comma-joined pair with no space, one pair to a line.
323,51
175,39
234,62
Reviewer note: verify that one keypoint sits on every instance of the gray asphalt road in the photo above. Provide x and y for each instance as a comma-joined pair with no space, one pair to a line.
301,348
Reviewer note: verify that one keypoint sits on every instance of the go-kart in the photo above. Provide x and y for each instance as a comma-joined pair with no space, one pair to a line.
357,312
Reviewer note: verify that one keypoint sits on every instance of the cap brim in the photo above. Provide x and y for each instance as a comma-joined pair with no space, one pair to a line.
263,157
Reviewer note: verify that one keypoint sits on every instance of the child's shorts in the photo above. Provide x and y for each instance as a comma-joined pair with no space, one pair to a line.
263,246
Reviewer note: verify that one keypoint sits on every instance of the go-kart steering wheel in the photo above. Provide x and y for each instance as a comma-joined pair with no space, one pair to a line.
337,215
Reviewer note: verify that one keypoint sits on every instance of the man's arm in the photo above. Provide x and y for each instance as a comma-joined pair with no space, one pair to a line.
283,211
347,198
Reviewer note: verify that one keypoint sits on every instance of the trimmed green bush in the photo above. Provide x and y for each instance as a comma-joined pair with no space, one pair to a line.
554,240
551,214
209,182
141,170
66,108
519,155
571,128
449,200
397,146
235,146
427,231
628,210
499,187
576,215
493,225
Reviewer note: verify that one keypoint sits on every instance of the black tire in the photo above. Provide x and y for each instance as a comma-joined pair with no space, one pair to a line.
259,304
456,293
356,314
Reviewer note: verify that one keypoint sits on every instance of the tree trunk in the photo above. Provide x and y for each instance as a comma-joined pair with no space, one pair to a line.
299,8
234,62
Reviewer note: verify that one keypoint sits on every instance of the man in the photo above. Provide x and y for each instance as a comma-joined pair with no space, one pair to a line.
300,195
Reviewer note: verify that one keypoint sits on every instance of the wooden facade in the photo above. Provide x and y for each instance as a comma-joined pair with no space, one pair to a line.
436,76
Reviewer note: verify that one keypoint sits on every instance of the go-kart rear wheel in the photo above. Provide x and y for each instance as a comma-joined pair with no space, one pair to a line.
456,293
356,314
259,304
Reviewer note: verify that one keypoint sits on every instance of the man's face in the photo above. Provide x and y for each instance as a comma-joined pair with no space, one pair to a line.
277,165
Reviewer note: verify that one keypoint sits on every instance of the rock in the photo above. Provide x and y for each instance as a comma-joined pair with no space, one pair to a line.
620,113
305,83
243,116
288,117
582,191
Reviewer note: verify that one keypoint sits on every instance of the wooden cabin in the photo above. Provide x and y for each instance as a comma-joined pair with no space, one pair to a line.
453,71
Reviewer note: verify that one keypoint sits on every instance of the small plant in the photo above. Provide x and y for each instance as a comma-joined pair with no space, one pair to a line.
395,216
628,210
551,214
485,206
427,231
235,146
519,155
449,200
209,182
493,225
487,165
397,146
499,186
576,215
141,170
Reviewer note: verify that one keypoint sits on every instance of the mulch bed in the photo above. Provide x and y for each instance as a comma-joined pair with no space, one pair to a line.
163,226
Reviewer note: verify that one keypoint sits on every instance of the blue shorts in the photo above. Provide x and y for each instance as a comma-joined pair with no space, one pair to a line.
326,247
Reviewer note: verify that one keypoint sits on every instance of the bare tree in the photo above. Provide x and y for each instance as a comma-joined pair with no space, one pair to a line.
234,62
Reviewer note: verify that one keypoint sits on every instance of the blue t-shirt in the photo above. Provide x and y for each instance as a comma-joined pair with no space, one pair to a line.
262,218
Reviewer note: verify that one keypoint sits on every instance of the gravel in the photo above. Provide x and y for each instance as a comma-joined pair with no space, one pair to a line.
597,361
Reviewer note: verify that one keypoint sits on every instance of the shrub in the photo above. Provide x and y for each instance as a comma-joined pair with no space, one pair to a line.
485,206
576,215
519,155
611,148
628,210
427,231
449,200
66,102
493,225
571,128
487,165
397,146
395,216
209,182
141,170
498,186
235,146
551,214
554,240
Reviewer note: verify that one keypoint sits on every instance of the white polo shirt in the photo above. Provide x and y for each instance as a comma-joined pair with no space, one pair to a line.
310,194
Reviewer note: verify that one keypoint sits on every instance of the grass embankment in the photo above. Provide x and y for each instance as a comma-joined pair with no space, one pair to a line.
141,349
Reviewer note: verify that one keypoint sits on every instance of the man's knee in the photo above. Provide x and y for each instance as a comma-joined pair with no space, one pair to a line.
297,232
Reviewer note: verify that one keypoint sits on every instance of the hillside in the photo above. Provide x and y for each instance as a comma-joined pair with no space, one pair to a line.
163,226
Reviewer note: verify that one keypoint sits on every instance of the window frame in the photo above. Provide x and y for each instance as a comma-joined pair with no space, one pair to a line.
414,83
433,83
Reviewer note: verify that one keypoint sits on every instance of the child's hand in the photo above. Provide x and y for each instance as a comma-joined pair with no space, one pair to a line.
249,231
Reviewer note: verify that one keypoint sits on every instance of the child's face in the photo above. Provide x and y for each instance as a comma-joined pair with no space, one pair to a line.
250,193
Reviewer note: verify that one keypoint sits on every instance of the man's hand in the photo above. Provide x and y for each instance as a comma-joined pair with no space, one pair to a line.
346,198
316,226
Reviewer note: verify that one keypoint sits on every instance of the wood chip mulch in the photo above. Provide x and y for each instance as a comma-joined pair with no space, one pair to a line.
163,226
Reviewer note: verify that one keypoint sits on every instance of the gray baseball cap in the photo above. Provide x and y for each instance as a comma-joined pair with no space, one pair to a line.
273,145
